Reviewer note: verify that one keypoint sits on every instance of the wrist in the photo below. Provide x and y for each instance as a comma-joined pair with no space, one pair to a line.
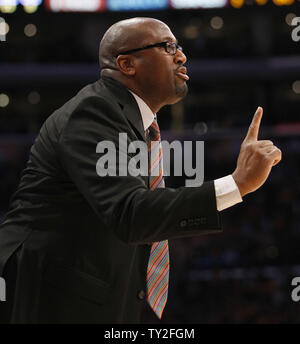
239,184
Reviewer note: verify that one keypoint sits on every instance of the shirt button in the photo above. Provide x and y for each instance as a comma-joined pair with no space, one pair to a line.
141,294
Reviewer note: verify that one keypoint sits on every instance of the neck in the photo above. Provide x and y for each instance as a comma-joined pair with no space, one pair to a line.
152,105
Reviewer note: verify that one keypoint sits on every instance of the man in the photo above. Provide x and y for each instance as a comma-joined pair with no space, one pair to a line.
77,247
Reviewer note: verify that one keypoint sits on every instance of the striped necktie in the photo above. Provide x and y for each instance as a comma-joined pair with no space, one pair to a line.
158,265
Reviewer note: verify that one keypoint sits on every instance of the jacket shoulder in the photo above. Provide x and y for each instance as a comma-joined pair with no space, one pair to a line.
92,99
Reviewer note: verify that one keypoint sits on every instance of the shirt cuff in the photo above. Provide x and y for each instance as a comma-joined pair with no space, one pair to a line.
227,192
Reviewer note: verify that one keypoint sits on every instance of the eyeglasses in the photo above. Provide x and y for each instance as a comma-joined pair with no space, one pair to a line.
170,48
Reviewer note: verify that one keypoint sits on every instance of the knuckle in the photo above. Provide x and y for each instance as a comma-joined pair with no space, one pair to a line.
264,143
277,150
254,147
249,145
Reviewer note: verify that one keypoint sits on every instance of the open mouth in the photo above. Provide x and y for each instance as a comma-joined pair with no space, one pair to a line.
181,73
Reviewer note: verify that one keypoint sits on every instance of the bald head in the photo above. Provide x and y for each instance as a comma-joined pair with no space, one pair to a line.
156,75
125,35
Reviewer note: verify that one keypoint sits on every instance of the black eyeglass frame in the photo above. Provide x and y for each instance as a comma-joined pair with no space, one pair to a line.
162,44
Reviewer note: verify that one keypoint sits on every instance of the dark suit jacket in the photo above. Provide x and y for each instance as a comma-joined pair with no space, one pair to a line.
75,246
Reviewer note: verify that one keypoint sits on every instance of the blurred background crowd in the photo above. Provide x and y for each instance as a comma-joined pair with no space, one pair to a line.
241,54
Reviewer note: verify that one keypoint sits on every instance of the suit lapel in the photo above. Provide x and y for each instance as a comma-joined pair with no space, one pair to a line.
127,102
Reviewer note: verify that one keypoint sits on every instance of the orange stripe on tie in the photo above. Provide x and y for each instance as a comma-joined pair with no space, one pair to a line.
159,262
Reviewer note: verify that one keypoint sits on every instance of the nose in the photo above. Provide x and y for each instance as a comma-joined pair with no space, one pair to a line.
179,57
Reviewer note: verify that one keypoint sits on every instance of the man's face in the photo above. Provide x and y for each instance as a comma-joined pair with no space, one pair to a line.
157,72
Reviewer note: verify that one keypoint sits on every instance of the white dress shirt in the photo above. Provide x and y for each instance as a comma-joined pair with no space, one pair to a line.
227,192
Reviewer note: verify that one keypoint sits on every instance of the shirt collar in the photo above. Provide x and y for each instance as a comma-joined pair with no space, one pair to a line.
146,112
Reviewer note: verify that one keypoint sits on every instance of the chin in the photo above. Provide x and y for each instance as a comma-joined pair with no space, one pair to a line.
181,91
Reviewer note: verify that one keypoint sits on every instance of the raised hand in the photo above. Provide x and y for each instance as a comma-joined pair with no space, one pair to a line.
256,158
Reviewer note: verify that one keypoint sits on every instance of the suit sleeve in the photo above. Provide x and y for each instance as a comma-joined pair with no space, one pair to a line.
124,203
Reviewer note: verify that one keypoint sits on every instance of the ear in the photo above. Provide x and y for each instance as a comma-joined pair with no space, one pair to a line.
126,64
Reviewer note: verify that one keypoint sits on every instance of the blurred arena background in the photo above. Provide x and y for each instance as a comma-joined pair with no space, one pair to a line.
241,54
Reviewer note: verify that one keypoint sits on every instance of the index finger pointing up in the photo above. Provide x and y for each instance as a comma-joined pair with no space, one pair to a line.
253,130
